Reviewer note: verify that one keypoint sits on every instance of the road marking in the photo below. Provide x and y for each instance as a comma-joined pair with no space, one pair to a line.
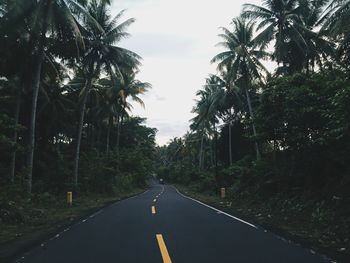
153,210
154,200
163,249
97,213
117,202
217,210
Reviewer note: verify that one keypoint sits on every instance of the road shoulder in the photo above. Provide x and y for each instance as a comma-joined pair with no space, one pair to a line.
11,250
244,214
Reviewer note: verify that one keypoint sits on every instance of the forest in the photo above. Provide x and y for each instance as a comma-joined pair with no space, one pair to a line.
278,141
66,94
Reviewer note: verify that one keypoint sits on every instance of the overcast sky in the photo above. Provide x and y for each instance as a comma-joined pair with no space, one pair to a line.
177,41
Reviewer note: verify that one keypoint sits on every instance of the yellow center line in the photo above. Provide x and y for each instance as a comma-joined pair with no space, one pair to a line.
153,210
163,249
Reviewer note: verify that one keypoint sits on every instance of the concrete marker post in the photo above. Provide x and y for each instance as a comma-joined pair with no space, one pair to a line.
223,192
70,198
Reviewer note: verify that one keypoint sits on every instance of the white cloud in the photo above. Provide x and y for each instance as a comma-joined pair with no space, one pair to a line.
177,41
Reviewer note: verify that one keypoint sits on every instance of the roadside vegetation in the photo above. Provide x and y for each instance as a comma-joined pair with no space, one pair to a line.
279,142
66,94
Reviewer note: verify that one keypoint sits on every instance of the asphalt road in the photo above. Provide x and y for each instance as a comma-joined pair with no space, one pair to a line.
162,225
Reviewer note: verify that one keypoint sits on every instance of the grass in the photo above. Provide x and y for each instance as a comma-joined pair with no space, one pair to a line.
45,215
314,225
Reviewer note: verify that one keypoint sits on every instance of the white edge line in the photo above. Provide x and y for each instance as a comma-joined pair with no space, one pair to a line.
97,213
131,197
102,209
78,223
217,210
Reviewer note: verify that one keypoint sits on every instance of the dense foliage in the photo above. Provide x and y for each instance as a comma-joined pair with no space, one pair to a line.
66,89
277,138
268,133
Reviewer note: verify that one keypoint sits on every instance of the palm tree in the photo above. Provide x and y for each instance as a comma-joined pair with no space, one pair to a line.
230,103
241,61
280,20
319,47
124,88
212,97
336,22
107,107
102,54
42,17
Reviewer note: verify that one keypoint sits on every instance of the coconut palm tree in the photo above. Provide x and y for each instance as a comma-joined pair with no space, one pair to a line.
280,21
231,103
127,87
211,100
335,22
42,18
320,49
241,61
102,54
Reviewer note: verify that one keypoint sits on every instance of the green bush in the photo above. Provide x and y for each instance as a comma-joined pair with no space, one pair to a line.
206,183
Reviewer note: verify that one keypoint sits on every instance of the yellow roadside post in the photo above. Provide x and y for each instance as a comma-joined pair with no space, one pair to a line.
69,198
223,192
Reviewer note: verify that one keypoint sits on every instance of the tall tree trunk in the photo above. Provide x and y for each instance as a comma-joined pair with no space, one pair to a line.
201,153
216,159
110,123
215,147
15,134
88,133
98,139
230,141
274,147
93,136
40,54
251,113
31,136
79,135
118,133
212,152
119,123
